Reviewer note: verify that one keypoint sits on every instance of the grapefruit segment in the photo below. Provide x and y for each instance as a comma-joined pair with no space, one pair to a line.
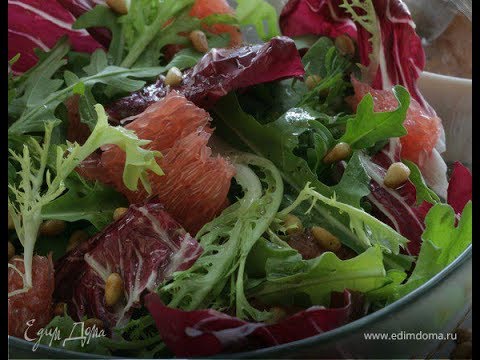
423,130
195,185
36,303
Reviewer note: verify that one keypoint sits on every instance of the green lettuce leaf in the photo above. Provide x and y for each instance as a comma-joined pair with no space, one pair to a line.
290,280
84,201
442,242
368,127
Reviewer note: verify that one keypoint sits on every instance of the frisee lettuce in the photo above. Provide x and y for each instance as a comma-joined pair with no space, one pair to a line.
143,23
369,230
278,141
227,241
31,195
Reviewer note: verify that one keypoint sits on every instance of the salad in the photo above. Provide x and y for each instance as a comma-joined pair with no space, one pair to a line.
182,191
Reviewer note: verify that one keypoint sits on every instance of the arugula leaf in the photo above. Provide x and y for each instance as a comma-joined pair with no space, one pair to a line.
36,112
369,127
278,141
314,58
289,278
324,61
424,193
30,196
103,16
38,83
227,241
86,109
83,201
261,15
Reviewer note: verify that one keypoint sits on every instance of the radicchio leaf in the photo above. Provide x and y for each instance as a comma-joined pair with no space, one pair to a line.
208,332
144,247
39,24
317,17
219,72
398,57
395,207
78,8
459,187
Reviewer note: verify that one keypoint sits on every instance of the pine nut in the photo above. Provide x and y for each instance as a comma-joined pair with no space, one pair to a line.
11,250
174,77
119,6
326,239
89,323
113,289
199,41
345,45
293,224
339,152
396,175
59,309
119,212
11,224
77,237
312,81
52,227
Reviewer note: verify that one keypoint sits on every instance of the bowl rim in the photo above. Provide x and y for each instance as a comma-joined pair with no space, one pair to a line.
344,330
445,78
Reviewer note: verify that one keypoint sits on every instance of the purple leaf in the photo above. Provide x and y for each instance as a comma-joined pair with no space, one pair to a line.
459,187
40,24
396,207
219,72
317,17
208,332
399,49
144,247
78,8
